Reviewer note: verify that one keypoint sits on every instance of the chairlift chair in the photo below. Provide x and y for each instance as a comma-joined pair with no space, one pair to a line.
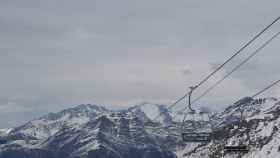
189,134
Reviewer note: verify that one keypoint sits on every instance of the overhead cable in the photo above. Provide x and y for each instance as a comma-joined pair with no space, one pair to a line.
237,67
221,66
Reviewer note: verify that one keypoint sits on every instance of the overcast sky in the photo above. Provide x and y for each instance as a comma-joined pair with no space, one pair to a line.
57,54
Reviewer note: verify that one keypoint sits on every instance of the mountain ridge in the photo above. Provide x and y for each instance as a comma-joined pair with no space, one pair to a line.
87,131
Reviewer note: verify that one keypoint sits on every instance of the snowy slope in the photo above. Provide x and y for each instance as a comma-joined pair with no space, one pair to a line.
86,131
152,112
50,124
258,128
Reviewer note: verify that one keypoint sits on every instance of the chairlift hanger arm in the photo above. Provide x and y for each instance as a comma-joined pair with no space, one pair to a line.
192,88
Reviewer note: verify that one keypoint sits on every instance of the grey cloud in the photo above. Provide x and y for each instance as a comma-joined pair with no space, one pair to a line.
55,54
13,119
186,71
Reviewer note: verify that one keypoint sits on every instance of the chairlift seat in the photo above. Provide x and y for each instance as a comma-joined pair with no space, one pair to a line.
240,148
197,137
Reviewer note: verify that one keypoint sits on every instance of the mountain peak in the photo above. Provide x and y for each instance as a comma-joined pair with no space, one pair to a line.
87,108
51,123
152,112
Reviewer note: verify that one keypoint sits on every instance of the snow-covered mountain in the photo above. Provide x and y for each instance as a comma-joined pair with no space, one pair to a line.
88,131
251,122
48,125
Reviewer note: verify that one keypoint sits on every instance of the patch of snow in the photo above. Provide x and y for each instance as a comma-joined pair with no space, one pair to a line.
150,110
80,120
5,131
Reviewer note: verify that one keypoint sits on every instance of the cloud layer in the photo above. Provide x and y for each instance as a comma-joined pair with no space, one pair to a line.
56,54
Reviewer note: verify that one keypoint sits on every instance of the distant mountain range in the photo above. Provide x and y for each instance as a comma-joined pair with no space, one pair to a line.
91,131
